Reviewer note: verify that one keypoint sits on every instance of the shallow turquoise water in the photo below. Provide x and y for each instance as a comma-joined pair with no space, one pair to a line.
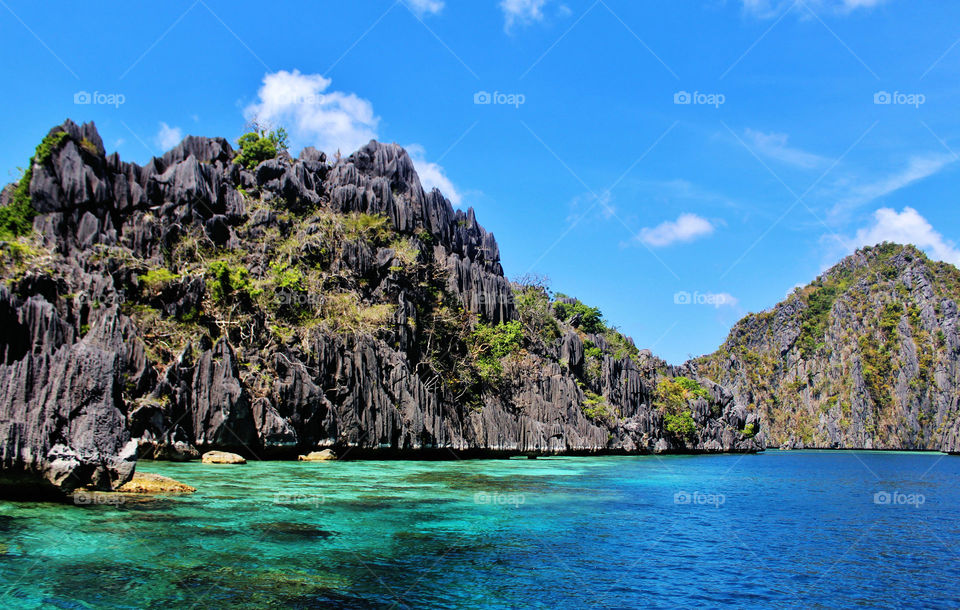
790,529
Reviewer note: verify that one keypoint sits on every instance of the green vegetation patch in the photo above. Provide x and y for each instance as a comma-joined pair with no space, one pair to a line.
672,397
259,146
490,344
373,228
532,301
16,218
228,281
586,318
596,407
158,279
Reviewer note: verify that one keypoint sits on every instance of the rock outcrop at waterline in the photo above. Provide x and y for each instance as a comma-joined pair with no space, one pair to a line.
195,304
62,418
867,356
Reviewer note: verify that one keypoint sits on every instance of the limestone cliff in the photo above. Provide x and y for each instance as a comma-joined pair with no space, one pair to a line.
864,357
200,303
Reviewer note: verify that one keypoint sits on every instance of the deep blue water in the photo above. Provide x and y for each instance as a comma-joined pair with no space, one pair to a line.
784,529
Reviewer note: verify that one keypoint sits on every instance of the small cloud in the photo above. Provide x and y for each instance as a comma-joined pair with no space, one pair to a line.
168,137
725,299
584,203
795,288
522,12
907,227
918,168
766,9
432,175
774,145
118,143
425,7
686,228
313,116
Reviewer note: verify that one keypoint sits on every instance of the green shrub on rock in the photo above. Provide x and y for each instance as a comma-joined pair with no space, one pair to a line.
672,397
259,146
16,218
491,343
681,424
533,307
588,319
157,279
373,228
228,280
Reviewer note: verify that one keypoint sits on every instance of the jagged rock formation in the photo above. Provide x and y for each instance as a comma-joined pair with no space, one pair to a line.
194,304
864,357
61,410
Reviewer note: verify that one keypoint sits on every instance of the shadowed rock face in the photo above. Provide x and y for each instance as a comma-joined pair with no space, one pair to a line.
868,356
62,423
95,354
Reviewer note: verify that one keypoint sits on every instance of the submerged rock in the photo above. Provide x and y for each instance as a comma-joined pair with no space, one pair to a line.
149,483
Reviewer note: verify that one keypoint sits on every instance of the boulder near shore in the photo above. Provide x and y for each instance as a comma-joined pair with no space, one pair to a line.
319,456
222,457
149,483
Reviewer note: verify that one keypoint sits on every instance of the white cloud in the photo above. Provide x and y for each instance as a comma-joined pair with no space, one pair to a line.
521,11
432,175
918,168
168,137
724,299
772,8
425,7
774,145
333,120
686,228
299,102
907,227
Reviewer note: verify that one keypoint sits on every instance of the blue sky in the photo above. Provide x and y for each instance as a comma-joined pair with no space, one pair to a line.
811,127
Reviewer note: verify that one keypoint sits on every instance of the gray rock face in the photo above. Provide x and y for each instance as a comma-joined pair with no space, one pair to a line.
93,356
62,424
877,368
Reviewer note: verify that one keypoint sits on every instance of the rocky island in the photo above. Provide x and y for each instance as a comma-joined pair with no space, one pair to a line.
865,357
231,300
245,301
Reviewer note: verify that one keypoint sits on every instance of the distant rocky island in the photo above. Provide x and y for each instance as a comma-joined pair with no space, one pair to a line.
867,356
251,302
